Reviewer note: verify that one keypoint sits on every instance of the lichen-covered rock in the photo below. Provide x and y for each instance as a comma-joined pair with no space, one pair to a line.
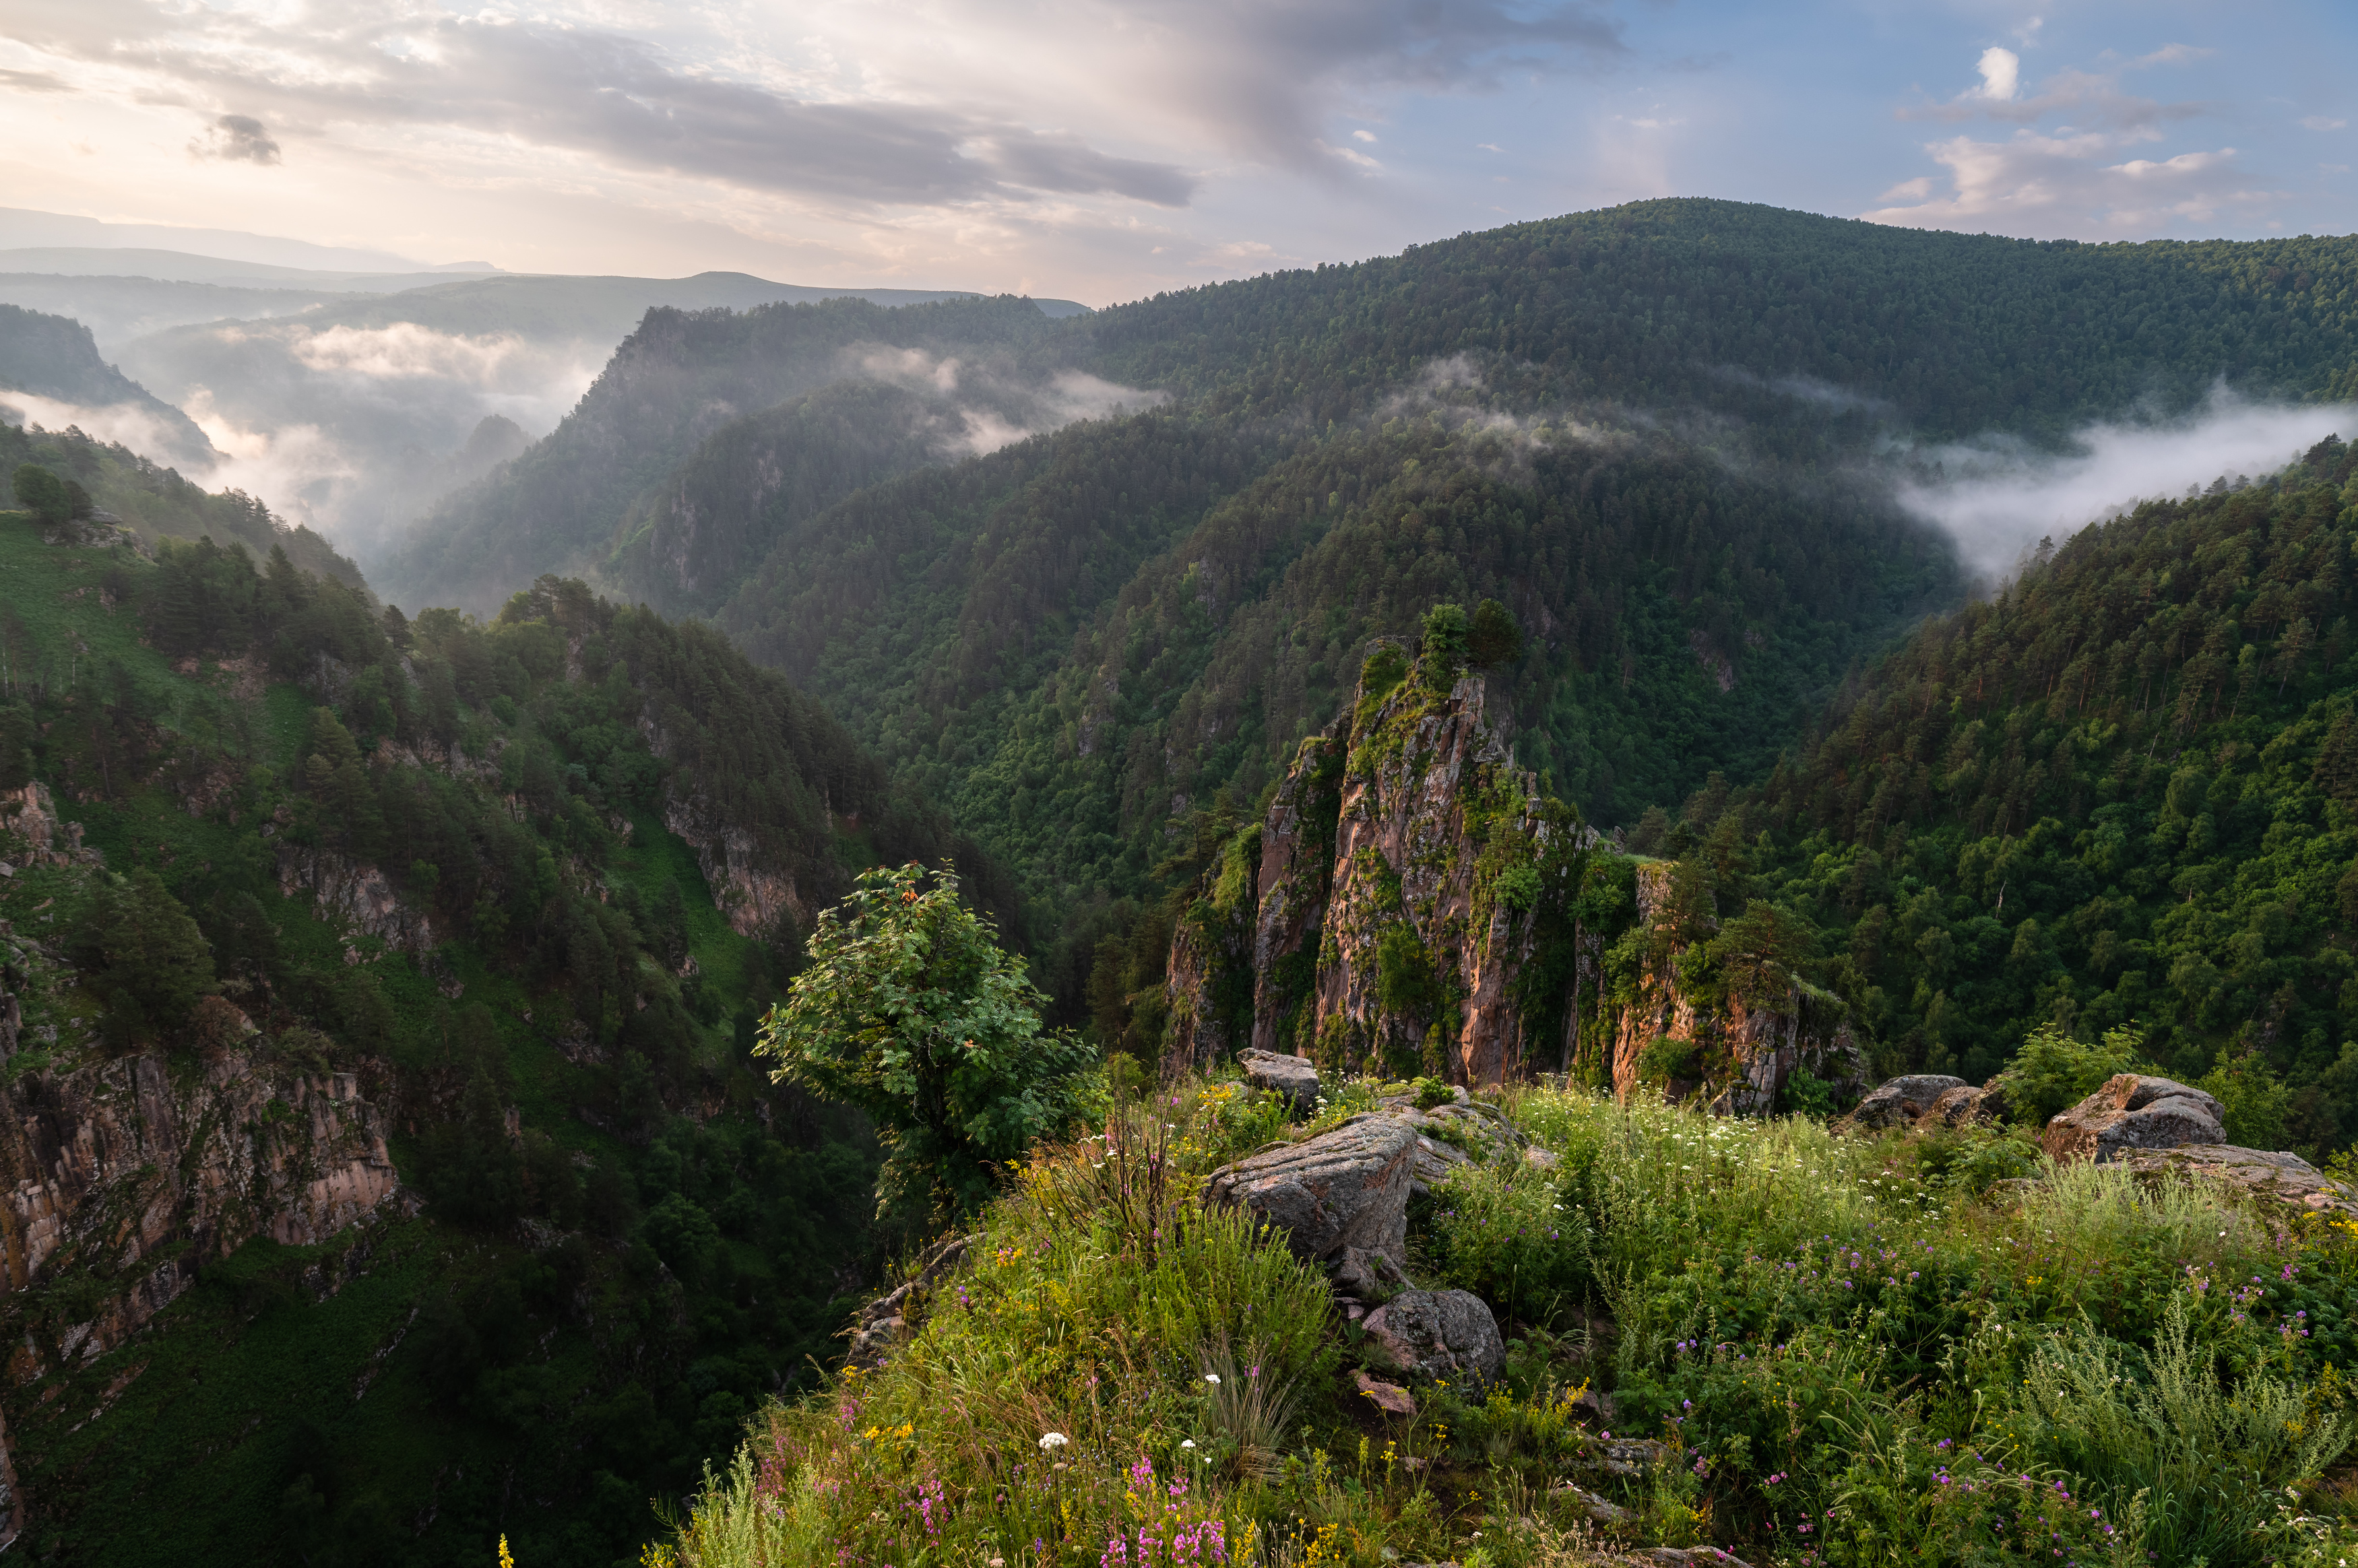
1370,1279
1626,1457
1297,863
2133,1111
1436,1334
893,1317
1900,1102
1295,1077
2281,1176
1347,1187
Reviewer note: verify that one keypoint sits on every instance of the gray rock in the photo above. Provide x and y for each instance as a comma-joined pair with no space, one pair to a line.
1347,1187
1439,1334
1628,1457
1368,1277
1293,1076
1900,1102
1589,1503
893,1317
2132,1112
1685,1557
2281,1176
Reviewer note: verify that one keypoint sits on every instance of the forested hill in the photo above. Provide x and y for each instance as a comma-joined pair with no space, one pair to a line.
1643,430
682,375
516,889
1679,303
55,357
2121,794
154,501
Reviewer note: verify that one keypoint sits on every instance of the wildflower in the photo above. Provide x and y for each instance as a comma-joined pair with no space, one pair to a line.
1212,1377
1186,1442
1052,1441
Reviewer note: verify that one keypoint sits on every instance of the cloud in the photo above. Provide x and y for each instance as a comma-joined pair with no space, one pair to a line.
1997,499
33,81
2038,184
236,138
126,423
2088,97
2001,73
407,349
988,406
2319,122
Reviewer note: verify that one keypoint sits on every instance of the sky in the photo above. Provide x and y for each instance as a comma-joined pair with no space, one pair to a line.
1103,150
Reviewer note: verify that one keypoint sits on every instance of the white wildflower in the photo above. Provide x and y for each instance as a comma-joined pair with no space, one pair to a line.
1052,1441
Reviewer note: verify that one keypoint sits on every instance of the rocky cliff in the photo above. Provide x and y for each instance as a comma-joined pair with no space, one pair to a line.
1385,913
123,1175
1737,1048
1413,903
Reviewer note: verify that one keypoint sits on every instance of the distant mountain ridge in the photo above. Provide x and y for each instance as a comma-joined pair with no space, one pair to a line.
54,358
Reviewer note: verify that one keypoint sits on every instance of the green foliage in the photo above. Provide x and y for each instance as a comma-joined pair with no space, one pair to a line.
1493,639
142,952
42,493
2052,1072
911,1012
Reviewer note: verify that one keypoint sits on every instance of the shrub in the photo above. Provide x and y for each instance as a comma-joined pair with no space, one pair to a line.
910,1011
2053,1071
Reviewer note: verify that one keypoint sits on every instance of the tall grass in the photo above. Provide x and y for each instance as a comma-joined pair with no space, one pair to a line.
1851,1354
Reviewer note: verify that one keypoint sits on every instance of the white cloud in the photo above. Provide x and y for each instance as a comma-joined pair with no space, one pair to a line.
1363,135
2001,73
2319,122
2068,184
1997,499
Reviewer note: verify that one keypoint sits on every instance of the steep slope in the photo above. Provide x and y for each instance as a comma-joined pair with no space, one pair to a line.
2117,795
56,361
155,502
672,382
388,1169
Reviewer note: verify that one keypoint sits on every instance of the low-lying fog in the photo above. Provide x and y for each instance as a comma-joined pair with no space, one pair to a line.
1998,498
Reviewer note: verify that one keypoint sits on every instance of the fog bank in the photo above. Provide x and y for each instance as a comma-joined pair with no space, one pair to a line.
1997,498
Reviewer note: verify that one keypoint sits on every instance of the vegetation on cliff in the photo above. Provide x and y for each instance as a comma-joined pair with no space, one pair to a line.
2117,795
1848,1349
529,882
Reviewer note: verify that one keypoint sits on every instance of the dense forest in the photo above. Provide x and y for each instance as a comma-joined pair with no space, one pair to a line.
628,1235
2119,794
55,357
1657,433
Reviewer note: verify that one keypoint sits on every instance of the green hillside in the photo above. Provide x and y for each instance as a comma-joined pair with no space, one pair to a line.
2118,796
628,1237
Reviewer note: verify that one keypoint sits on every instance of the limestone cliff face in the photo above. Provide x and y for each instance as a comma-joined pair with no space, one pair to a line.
1418,952
356,896
1392,898
1739,1053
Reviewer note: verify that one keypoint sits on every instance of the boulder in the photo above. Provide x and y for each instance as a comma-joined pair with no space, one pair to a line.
1597,1508
893,1317
2133,1112
2282,1176
1293,1076
1901,1102
1369,1278
1685,1557
1628,1457
1347,1187
1387,1397
1439,1334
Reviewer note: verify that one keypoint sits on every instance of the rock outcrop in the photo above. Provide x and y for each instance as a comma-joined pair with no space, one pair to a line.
1437,1335
2131,1112
30,816
1391,902
1737,1057
1295,1077
2282,1176
355,896
891,1317
1920,1100
139,1177
1347,1187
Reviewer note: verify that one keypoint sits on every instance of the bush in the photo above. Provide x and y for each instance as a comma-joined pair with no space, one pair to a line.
910,1011
2053,1071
